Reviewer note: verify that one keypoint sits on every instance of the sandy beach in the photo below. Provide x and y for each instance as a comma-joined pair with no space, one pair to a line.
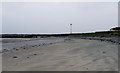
58,54
0,55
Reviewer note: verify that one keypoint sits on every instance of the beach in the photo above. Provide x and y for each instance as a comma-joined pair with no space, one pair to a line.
58,54
0,55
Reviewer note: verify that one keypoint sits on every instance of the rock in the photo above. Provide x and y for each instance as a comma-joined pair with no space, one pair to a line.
28,57
103,52
15,57
24,48
34,54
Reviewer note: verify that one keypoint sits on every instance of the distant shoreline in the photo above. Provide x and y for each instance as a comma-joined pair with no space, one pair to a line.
109,36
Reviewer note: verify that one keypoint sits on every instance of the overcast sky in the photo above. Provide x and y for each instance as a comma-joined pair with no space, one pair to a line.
55,17
60,0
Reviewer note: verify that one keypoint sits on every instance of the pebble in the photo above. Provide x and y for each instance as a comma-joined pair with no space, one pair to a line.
15,57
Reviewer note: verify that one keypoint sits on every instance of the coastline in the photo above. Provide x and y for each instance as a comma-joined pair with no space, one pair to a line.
115,40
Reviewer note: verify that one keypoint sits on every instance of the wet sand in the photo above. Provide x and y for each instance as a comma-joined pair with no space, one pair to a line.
61,55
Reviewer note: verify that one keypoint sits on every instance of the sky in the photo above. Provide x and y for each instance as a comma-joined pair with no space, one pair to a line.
60,0
55,17
0,17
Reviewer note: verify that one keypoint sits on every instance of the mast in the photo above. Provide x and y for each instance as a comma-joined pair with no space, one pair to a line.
70,28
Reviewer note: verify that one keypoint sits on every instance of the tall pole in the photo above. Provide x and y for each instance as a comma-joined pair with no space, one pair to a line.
70,28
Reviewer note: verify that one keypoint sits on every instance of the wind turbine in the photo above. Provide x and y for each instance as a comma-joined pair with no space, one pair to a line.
70,28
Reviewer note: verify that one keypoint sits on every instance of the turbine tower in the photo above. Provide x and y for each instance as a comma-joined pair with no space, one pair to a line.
70,28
